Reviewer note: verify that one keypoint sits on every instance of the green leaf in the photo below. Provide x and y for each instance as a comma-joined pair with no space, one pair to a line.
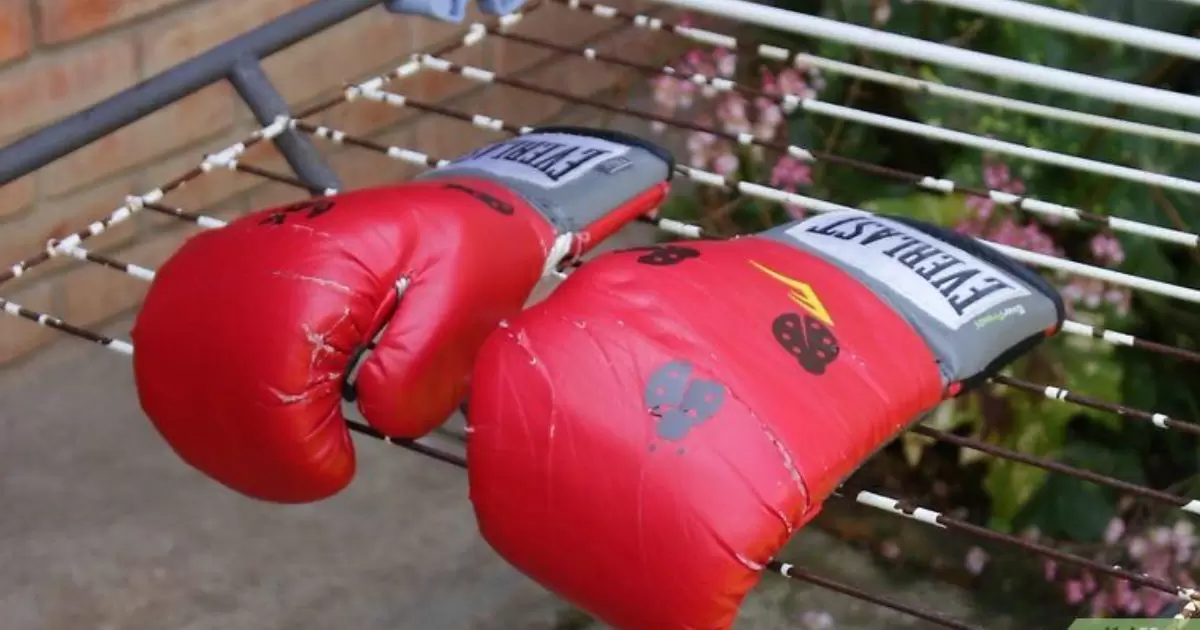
682,208
1116,462
1066,507
1093,368
1081,510
942,210
1145,257
1010,485
1039,428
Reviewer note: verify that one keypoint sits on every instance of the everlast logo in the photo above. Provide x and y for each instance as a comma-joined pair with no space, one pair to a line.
961,282
552,158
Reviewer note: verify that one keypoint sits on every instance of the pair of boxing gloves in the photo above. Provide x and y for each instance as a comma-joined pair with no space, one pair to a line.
642,441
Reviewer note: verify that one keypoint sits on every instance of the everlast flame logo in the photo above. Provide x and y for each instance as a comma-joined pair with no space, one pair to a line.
553,159
961,283
801,293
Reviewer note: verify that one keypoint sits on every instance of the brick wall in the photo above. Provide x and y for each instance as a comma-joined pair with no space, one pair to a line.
58,56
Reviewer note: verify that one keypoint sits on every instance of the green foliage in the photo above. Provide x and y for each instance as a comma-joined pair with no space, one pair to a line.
1011,484
932,208
1020,495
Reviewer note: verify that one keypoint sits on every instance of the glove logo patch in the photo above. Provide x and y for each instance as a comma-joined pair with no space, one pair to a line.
615,165
800,292
550,160
664,255
488,200
808,340
309,209
950,285
680,402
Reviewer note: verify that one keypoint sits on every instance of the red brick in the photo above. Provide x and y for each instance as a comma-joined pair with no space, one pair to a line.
54,85
63,20
15,30
19,337
272,194
447,138
364,118
93,294
15,197
94,203
355,167
57,217
578,76
262,193
361,168
434,86
551,23
213,194
363,46
266,155
185,34
204,114
518,107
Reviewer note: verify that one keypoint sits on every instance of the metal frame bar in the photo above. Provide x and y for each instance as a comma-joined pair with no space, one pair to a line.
237,60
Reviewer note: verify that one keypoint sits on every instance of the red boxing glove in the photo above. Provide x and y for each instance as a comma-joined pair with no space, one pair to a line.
646,439
253,335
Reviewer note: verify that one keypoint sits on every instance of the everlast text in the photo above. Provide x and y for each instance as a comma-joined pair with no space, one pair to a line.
553,159
957,280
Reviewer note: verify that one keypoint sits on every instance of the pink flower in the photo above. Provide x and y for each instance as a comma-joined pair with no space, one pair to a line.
1093,293
1049,569
696,61
725,62
795,211
792,82
1089,582
1120,298
789,174
673,94
881,12
1138,547
998,176
731,111
976,560
699,146
1074,591
981,207
1037,240
1007,232
770,117
1114,531
1153,601
770,85
789,171
726,163
1107,250
1099,604
1123,598
1183,539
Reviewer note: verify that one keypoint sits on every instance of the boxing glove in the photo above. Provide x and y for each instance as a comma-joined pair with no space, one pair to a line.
252,336
645,439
